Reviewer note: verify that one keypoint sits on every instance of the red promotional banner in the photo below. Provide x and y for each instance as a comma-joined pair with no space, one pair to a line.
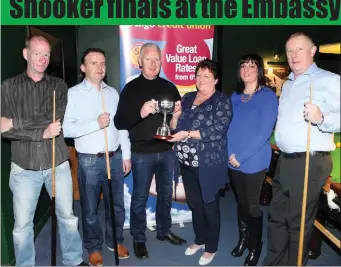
182,46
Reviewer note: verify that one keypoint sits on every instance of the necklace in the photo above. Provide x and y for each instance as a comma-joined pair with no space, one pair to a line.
245,99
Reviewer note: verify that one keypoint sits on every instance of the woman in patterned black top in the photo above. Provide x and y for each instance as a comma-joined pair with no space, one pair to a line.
200,126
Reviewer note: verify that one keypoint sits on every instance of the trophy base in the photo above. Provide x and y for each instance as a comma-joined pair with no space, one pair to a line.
161,137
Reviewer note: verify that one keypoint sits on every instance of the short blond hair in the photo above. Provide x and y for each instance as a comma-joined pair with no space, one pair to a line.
304,34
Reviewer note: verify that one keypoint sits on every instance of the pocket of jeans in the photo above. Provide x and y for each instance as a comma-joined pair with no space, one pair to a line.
87,160
15,169
118,155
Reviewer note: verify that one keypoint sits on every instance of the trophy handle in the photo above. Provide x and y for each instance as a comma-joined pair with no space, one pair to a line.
156,104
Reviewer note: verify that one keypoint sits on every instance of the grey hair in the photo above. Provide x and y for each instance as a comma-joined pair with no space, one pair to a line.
149,45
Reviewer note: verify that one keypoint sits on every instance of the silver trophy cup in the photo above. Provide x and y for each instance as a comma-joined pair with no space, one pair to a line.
165,107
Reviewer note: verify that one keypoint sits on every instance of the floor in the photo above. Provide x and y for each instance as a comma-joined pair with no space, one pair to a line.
164,254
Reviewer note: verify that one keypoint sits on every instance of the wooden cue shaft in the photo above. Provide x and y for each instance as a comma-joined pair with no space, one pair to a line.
106,140
54,147
328,234
305,189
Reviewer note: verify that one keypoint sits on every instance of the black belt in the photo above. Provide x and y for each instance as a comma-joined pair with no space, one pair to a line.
103,154
303,154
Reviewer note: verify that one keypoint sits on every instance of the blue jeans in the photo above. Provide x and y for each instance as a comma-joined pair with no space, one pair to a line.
144,166
26,186
92,177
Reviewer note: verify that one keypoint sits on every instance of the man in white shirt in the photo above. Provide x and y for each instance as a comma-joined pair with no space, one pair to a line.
294,113
91,107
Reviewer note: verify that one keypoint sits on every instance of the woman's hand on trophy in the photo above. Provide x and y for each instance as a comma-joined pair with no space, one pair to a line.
177,109
148,107
179,136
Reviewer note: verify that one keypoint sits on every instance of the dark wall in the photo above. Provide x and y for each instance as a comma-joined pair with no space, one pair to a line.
12,62
265,40
68,36
12,41
108,39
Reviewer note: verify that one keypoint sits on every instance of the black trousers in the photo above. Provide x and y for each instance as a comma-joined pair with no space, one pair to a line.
247,187
205,216
286,207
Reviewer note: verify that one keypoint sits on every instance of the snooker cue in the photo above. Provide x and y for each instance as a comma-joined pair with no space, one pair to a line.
305,189
328,234
111,199
53,200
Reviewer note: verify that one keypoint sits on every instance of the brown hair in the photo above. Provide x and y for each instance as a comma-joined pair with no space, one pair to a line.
208,64
87,52
256,59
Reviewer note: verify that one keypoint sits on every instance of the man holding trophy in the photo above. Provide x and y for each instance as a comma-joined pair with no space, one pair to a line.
144,104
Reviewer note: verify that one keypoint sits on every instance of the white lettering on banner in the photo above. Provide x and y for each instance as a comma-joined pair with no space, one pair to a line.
145,27
186,49
195,59
189,57
172,26
181,77
176,58
184,68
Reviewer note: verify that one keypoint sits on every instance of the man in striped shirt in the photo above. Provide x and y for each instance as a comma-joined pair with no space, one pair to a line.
27,110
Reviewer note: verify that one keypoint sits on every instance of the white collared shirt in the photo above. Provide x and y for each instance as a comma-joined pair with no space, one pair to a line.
80,120
291,127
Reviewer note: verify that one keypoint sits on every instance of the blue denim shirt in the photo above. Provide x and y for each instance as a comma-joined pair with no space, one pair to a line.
212,119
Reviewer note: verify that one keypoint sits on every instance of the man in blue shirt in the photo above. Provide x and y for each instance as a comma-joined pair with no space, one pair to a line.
91,107
295,112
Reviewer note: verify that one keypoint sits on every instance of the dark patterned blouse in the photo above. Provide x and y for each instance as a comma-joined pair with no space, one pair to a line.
209,153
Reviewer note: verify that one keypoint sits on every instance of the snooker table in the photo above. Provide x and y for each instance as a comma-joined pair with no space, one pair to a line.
335,174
